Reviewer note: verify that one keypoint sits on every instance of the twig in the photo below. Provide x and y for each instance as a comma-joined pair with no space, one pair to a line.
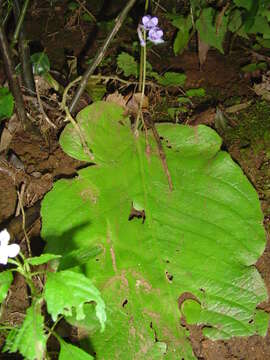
42,108
161,153
158,5
87,11
92,67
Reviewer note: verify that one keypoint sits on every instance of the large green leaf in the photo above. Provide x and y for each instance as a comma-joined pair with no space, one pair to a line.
200,240
184,26
69,351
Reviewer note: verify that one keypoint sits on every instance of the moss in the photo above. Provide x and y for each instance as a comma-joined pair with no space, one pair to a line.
253,127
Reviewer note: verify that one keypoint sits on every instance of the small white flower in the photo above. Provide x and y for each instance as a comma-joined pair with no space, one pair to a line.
6,250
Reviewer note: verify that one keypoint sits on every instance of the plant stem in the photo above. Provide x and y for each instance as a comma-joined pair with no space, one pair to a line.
146,5
143,67
23,224
7,15
24,52
12,77
92,67
19,23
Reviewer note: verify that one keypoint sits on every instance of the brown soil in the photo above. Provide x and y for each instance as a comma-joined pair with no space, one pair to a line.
42,163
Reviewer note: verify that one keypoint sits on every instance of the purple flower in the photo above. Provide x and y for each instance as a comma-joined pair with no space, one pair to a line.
155,35
149,22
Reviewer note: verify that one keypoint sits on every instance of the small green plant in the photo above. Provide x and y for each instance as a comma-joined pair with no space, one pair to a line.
65,293
185,102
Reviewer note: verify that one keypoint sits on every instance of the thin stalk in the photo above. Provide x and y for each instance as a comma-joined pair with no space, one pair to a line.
73,121
7,15
24,52
146,5
12,78
142,52
87,11
19,23
101,53
139,114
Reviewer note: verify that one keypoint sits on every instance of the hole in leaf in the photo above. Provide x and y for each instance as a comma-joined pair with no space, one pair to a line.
251,321
124,302
169,276
97,259
155,333
138,214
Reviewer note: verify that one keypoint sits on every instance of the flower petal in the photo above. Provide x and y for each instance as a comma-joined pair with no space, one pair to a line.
3,259
4,237
146,19
154,21
13,250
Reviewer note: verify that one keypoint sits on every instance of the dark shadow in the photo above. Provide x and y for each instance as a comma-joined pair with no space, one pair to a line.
65,241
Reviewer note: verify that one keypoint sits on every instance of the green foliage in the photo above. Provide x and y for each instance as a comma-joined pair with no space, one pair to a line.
130,67
6,103
203,237
183,100
254,67
6,278
73,6
200,92
171,78
41,66
86,17
42,259
65,290
247,4
244,18
184,25
95,89
29,339
78,257
127,64
208,30
40,63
